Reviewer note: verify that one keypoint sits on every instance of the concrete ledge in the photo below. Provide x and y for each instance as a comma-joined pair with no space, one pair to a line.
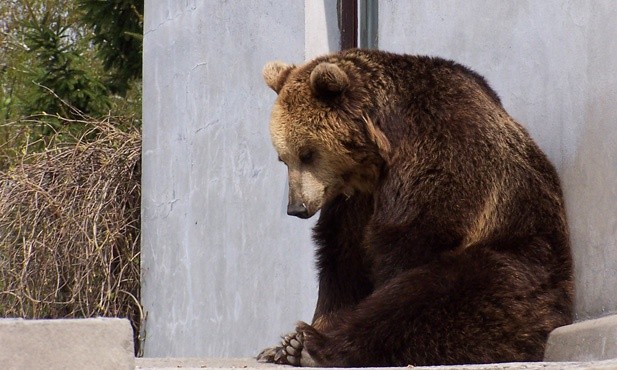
587,345
584,341
251,364
101,343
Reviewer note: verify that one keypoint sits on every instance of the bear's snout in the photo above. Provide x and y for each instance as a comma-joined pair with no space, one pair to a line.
298,210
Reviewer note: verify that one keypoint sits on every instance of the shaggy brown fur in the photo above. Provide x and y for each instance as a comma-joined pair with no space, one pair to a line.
442,237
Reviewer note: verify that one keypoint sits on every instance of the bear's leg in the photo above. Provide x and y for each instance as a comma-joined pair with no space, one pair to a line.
344,278
344,268
477,307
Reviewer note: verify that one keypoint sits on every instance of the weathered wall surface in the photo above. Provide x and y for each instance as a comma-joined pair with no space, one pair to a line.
225,270
554,65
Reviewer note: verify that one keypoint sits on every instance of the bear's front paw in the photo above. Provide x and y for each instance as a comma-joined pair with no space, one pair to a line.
290,352
270,354
309,338
297,354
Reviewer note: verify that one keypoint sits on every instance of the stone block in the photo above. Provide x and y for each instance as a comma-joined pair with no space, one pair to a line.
589,340
101,343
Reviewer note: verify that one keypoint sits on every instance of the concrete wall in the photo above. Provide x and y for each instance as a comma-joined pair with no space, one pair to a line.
225,271
554,64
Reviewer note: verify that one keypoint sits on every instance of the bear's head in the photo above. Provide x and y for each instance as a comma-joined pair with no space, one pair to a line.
321,129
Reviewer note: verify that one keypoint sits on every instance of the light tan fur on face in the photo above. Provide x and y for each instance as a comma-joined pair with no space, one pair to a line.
312,184
300,121
306,189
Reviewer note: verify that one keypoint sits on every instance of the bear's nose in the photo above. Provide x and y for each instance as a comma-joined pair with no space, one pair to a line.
298,210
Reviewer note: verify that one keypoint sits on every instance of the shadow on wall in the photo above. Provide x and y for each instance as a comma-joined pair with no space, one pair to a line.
590,186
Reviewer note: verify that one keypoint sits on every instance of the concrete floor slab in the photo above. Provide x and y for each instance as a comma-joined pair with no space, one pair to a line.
250,364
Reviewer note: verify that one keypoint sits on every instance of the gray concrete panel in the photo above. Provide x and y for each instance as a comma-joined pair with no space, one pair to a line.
225,270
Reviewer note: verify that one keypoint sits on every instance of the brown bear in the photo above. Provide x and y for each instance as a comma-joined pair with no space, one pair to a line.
442,236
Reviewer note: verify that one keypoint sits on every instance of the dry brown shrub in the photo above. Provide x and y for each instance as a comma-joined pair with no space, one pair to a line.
70,228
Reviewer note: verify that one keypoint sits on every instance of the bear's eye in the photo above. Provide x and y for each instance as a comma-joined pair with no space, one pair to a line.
307,156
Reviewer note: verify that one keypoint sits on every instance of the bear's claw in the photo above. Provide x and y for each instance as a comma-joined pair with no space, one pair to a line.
268,354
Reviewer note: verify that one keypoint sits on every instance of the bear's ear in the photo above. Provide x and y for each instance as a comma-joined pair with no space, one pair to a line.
328,79
276,73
